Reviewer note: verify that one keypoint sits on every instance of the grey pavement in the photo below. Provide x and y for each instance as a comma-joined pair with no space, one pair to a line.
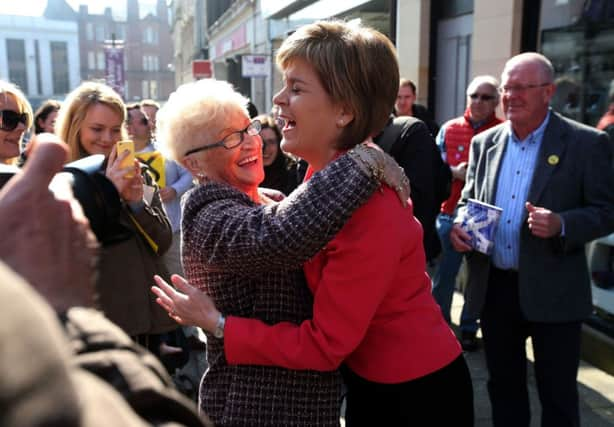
596,387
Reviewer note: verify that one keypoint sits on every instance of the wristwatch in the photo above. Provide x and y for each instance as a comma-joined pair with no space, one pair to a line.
219,327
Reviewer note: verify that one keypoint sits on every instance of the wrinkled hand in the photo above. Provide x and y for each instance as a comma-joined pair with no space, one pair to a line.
168,194
186,304
46,238
383,167
459,171
460,239
129,189
543,222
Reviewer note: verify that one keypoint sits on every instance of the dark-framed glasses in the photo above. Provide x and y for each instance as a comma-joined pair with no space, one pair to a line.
9,119
233,139
482,97
521,88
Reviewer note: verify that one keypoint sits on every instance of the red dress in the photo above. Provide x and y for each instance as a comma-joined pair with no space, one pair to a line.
373,306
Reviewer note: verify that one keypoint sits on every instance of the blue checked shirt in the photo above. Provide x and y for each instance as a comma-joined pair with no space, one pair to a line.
515,178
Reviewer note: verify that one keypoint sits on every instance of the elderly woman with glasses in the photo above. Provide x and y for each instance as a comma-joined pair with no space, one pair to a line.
247,251
15,119
373,313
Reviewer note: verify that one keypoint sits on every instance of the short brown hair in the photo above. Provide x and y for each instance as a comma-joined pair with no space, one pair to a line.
406,82
75,108
356,65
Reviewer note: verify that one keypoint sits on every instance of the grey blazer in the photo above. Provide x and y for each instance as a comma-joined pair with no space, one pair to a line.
553,275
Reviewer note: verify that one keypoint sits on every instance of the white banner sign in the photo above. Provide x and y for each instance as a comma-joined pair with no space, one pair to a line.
255,65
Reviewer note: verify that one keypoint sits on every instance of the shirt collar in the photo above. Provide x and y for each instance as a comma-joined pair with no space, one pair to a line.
534,136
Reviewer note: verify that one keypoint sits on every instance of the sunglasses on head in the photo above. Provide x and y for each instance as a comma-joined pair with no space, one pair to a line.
9,119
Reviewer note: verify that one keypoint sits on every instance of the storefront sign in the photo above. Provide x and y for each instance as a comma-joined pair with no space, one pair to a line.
201,69
255,65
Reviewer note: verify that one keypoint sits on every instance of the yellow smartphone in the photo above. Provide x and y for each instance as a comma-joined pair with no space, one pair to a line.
122,146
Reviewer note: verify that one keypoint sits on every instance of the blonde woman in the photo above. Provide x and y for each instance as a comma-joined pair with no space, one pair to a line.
91,121
15,119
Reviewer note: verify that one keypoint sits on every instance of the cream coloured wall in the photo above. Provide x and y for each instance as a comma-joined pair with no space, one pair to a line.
413,28
497,27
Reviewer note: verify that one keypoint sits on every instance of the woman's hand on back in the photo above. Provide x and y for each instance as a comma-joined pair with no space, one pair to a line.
130,189
383,167
186,304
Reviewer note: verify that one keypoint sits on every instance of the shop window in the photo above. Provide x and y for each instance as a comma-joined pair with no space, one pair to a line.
578,37
16,56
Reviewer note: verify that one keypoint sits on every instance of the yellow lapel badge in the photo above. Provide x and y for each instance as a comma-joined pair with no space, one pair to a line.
553,160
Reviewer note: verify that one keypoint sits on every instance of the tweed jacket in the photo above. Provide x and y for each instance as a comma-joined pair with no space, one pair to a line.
573,177
248,257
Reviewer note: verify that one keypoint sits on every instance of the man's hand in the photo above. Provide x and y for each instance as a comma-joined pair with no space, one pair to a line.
459,171
460,239
543,222
168,194
45,235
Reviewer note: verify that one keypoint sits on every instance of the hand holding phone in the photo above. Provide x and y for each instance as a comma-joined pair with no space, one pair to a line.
128,161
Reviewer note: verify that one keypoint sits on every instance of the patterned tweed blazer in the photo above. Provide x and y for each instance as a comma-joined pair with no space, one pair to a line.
248,257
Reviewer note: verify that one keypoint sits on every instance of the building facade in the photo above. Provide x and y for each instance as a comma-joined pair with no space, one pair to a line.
147,43
40,55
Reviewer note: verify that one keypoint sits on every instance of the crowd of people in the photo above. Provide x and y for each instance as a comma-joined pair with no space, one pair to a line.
297,244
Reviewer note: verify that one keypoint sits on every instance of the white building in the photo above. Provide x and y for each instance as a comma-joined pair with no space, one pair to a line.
40,55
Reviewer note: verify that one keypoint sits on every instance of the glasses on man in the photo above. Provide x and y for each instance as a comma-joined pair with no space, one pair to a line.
233,139
482,97
520,88
9,119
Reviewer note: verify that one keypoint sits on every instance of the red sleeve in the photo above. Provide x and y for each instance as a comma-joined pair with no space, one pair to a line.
362,262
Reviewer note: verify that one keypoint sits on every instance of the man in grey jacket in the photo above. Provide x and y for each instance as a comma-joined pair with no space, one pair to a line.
552,178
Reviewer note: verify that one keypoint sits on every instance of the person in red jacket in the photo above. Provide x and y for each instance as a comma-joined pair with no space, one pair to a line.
453,140
373,314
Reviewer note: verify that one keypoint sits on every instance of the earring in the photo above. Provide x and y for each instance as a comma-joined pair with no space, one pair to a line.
201,176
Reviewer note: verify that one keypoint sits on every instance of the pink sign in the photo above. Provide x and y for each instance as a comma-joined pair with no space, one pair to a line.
236,40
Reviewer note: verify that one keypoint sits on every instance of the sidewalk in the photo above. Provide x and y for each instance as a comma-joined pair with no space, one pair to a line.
596,388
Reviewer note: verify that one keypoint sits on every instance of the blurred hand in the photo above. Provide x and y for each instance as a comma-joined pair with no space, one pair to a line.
46,238
459,171
187,305
168,194
543,222
460,239
129,189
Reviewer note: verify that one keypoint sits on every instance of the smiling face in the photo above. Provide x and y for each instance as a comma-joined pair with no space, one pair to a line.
10,140
240,167
270,147
100,129
526,104
314,123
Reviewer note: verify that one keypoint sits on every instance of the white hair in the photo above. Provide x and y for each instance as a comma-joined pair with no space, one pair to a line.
194,114
545,66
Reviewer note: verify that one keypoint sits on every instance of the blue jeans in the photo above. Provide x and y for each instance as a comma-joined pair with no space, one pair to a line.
444,279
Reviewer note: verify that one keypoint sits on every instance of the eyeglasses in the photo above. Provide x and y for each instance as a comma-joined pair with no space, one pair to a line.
521,88
482,97
233,139
9,120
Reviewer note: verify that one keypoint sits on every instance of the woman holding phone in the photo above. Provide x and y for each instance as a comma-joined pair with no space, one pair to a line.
92,121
